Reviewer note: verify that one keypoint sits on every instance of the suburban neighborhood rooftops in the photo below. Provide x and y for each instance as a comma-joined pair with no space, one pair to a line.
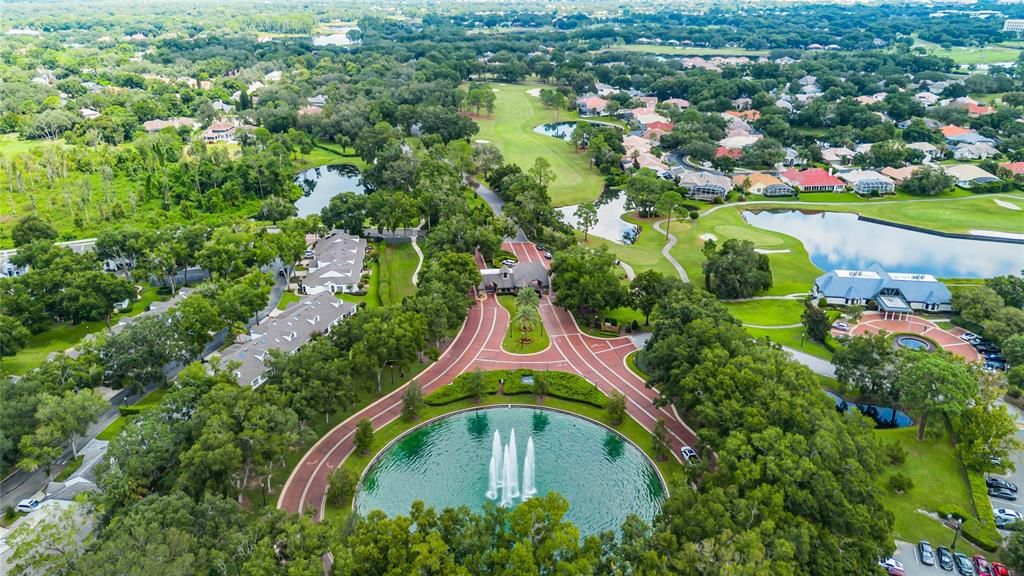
954,130
690,179
337,261
1014,167
287,331
969,173
855,176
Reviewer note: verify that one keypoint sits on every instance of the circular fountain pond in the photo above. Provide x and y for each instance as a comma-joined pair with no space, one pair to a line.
912,342
448,463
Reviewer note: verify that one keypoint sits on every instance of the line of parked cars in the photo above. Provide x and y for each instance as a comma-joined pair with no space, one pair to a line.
948,561
992,354
999,488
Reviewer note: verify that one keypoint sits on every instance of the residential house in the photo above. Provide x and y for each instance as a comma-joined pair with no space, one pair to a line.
1012,170
742,103
592,106
734,153
837,155
784,104
510,279
746,115
335,264
867,100
649,118
319,100
898,175
739,142
661,126
309,111
976,110
655,134
220,132
869,182
891,292
222,107
929,123
807,80
762,184
978,151
179,122
784,61
968,175
678,103
88,113
285,330
812,180
930,151
793,157
636,143
926,99
205,84
705,186
649,102
644,160
605,89
274,76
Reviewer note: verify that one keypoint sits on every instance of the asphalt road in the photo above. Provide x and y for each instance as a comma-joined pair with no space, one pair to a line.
1016,476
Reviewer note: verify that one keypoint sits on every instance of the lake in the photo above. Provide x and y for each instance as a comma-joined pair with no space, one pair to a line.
563,130
610,225
337,36
323,182
842,241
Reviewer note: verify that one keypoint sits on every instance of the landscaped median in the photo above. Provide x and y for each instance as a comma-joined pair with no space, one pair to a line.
567,392
538,336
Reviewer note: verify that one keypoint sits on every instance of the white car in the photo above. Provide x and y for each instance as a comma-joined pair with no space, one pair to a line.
841,325
968,336
508,262
27,505
1007,512
892,565
689,454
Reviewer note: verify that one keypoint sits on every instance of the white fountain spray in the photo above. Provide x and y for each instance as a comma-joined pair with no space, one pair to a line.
495,468
529,469
506,486
512,475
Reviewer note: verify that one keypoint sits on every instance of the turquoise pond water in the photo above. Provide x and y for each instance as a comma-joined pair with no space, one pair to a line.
445,464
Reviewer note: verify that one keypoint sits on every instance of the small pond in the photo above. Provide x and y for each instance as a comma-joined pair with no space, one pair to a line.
336,36
447,463
610,225
562,130
912,342
883,416
323,182
842,241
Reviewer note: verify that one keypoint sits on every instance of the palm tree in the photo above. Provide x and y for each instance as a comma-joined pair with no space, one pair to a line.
527,315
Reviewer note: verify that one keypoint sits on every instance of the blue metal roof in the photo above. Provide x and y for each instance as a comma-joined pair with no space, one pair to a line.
868,286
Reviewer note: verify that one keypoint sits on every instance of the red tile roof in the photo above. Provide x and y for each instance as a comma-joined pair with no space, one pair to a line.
954,130
979,110
1015,167
666,126
812,177
730,152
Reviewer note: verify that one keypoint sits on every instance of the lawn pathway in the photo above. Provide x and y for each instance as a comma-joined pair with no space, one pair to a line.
665,251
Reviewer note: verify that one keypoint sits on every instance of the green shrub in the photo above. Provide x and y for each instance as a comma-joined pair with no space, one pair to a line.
9,513
559,384
900,483
1013,392
341,486
895,453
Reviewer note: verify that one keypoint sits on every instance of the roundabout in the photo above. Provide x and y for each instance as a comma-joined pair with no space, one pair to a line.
507,454
478,345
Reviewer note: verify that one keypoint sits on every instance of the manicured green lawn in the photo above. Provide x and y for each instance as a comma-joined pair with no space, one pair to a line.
511,343
69,469
958,211
792,272
629,428
792,338
397,263
684,50
645,253
510,128
61,337
148,401
767,312
936,473
287,299
966,55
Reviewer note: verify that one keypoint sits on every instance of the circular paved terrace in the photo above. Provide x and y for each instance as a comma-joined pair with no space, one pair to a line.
949,340
601,361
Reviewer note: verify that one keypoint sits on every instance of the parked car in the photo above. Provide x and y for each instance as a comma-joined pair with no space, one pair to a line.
841,325
547,254
963,565
968,336
999,570
540,247
27,505
689,454
993,482
981,566
1006,513
925,553
508,262
945,558
1002,494
894,566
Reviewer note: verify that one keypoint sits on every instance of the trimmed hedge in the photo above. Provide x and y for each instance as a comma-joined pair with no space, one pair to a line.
983,530
560,385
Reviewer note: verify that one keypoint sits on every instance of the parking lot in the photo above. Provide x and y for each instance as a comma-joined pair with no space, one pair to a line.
1016,476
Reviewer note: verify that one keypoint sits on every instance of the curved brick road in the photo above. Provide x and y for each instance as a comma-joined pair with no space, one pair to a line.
478,345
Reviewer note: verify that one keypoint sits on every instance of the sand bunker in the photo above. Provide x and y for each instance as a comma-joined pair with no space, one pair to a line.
1005,204
708,236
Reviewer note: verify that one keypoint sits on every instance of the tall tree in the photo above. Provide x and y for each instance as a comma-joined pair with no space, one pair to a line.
584,279
930,382
586,217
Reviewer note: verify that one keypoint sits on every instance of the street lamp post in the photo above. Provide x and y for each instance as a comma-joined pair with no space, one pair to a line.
956,533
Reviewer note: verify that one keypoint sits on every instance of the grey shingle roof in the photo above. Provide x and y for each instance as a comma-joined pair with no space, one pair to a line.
867,284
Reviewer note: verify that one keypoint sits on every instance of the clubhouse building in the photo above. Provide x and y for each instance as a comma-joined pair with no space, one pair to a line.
893,293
